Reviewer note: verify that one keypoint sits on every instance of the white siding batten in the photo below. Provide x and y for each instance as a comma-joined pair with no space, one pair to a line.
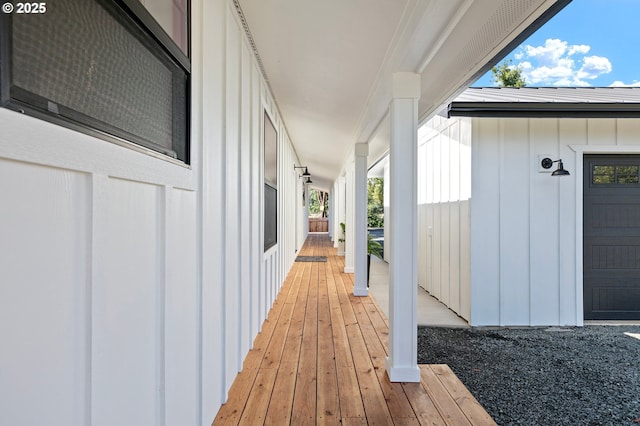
208,116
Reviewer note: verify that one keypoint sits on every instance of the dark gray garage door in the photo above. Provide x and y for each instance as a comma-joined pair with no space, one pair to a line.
612,237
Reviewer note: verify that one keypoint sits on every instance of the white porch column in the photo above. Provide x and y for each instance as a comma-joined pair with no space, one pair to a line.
387,215
340,217
330,215
349,245
402,363
306,210
333,204
360,222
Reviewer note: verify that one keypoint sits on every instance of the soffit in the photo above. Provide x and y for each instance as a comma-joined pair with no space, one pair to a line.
329,63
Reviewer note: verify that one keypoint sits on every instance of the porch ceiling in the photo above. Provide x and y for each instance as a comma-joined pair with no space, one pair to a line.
329,63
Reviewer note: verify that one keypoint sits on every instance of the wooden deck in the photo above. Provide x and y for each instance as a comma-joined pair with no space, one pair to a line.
320,359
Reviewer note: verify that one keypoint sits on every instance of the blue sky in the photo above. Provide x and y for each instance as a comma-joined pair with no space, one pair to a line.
588,43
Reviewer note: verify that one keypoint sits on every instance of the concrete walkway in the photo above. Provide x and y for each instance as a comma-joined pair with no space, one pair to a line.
431,311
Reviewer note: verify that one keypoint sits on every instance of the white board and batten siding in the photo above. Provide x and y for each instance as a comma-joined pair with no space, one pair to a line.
444,190
132,287
500,242
525,252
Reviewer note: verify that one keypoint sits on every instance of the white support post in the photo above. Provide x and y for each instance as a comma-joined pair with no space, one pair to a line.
340,218
305,188
387,216
402,362
333,206
349,244
330,214
360,222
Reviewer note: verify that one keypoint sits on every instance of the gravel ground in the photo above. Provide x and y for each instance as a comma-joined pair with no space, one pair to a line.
544,376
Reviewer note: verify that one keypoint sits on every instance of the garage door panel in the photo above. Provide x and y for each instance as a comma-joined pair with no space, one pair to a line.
611,237
619,302
613,253
623,216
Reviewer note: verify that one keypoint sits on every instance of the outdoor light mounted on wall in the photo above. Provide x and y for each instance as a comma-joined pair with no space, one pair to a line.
547,163
305,174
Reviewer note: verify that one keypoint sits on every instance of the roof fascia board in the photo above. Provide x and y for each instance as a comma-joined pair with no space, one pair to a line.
544,109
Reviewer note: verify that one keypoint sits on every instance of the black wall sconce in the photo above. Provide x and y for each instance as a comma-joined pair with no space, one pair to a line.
547,162
304,174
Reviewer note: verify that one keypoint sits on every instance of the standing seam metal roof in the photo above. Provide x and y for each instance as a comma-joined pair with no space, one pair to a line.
551,94
584,102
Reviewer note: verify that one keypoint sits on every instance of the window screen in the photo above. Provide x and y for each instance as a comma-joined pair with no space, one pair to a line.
93,63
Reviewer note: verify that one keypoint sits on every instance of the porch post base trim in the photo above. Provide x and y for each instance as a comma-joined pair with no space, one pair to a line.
403,374
360,292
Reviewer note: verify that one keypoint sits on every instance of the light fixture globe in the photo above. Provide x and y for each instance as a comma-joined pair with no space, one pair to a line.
560,171
306,173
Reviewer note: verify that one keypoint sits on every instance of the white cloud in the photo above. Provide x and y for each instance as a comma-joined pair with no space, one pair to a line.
552,51
557,63
594,66
579,48
618,83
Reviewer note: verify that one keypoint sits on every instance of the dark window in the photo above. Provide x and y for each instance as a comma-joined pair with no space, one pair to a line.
604,174
105,67
270,183
172,17
270,217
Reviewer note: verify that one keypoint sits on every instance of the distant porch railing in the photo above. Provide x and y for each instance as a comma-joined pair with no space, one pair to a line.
318,224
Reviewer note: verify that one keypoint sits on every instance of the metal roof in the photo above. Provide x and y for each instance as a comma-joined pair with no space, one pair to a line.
610,102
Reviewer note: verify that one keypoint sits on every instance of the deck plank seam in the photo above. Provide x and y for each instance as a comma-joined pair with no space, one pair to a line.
305,271
360,340
252,372
339,329
260,370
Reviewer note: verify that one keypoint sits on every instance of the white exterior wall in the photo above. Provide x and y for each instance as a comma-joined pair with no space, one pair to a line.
444,192
131,287
526,235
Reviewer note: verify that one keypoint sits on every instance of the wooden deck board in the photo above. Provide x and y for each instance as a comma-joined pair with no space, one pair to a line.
460,394
328,408
304,402
320,360
449,410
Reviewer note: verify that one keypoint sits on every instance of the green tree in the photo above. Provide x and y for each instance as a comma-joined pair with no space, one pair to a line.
318,203
508,75
375,202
